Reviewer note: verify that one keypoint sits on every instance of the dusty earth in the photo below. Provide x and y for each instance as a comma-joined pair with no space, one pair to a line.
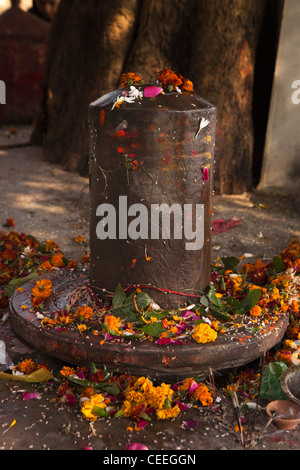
47,202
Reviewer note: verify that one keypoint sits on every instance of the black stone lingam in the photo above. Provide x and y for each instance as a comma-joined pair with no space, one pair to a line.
151,185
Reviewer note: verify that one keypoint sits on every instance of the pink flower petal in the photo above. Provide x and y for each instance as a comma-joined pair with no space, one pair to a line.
142,423
135,446
192,424
205,175
30,395
152,91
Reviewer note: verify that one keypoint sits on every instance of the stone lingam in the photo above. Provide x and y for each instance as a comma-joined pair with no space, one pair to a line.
151,186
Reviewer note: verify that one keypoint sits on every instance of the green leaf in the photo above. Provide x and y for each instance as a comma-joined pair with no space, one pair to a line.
278,264
248,302
15,283
97,410
204,301
119,296
230,262
153,329
270,387
215,300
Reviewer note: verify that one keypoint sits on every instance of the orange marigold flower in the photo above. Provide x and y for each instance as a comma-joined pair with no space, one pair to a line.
84,313
85,258
51,246
72,264
113,323
57,260
27,366
46,266
256,311
65,371
42,289
203,394
129,79
80,239
169,79
187,85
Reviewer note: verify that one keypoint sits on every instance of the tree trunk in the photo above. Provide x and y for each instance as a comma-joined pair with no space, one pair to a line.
213,43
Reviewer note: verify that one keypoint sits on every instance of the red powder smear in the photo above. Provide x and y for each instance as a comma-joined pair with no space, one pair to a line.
219,226
125,135
102,116
121,150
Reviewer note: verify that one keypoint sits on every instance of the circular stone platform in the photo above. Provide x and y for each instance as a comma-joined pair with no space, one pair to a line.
171,362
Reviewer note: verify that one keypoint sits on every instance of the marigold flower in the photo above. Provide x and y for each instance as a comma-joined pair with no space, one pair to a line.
80,239
187,85
84,313
169,79
95,401
203,395
65,371
51,246
27,366
168,413
113,323
57,260
41,291
203,333
129,79
255,311
46,266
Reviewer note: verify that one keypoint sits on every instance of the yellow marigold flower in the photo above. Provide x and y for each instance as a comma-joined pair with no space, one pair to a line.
89,405
255,311
203,333
81,328
168,413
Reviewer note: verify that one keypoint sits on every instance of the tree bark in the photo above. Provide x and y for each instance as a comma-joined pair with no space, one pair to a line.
213,43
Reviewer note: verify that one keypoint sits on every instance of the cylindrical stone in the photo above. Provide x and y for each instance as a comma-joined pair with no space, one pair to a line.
150,156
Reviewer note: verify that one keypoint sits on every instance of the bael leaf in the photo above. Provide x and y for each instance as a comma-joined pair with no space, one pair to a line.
119,296
215,300
153,329
248,302
278,264
230,262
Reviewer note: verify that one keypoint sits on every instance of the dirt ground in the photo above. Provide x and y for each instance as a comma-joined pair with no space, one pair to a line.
47,202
